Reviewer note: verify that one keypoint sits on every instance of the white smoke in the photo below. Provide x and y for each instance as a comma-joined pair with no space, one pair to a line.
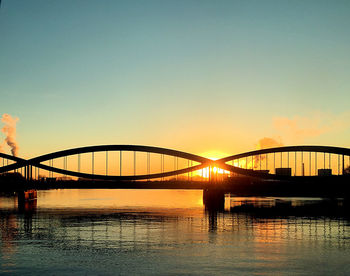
268,142
10,131
2,147
265,143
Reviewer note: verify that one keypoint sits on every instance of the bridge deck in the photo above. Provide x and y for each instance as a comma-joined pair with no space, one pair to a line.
240,186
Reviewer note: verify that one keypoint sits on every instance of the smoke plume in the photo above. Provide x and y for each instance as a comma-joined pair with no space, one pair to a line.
268,142
10,131
2,147
265,143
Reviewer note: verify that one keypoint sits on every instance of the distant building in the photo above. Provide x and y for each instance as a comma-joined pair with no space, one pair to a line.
324,172
284,171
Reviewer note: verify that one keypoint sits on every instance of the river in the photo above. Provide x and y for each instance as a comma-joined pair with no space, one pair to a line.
170,232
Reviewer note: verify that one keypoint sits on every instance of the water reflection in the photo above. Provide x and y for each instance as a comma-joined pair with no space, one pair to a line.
268,235
116,199
9,232
300,207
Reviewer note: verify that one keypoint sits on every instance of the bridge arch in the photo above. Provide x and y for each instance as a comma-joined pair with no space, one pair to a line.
19,162
203,162
37,161
223,163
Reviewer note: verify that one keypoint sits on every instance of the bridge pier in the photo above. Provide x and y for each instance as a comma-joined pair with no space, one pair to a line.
27,200
214,199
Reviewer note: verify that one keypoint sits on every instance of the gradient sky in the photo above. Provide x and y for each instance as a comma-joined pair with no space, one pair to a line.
196,76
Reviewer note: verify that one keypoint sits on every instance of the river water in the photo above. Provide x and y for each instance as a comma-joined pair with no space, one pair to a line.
162,232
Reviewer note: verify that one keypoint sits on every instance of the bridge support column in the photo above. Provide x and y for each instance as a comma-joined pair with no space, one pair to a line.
27,200
214,199
28,172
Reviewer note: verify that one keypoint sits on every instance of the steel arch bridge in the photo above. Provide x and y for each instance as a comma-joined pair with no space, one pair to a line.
291,162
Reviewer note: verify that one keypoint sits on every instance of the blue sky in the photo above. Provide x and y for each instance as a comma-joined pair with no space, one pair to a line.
190,75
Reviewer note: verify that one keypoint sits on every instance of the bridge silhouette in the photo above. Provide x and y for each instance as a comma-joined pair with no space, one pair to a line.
242,164
277,166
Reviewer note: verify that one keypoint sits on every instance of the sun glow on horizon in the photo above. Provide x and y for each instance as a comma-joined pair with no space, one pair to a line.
214,171
214,155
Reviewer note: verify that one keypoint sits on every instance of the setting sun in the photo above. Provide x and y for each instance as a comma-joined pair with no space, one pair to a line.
214,155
